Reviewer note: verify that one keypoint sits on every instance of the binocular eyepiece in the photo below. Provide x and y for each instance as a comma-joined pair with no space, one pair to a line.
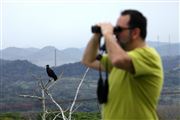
97,29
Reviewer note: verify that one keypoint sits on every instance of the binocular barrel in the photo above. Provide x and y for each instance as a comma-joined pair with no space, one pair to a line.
97,29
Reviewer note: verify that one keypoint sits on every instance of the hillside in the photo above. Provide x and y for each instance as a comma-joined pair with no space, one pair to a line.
17,78
42,56
46,55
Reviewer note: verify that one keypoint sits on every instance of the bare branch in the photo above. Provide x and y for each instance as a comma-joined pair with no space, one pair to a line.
77,91
49,81
43,105
29,96
76,108
56,116
60,76
42,84
45,89
62,112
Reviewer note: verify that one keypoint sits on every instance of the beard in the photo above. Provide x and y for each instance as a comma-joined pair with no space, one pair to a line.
124,42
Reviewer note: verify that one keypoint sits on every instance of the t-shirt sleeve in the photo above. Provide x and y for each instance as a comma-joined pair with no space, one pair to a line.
106,62
144,62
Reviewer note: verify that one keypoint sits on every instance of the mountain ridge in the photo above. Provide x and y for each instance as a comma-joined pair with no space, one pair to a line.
43,56
17,77
46,55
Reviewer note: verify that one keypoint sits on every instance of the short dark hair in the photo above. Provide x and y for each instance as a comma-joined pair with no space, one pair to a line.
137,19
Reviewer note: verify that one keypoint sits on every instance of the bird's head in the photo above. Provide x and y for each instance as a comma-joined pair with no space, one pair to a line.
47,66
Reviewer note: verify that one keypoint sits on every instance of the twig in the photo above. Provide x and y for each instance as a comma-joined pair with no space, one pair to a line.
76,108
29,96
43,105
48,82
56,116
77,91
62,112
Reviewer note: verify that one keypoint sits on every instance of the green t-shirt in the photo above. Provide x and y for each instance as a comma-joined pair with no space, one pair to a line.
134,96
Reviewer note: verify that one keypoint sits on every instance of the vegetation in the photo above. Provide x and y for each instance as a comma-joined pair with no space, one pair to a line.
164,113
76,116
11,116
16,77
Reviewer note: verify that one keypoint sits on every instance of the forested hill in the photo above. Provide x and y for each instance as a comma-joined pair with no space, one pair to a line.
22,70
17,78
46,54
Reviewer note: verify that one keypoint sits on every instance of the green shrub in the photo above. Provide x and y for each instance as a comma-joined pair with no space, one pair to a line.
75,116
11,116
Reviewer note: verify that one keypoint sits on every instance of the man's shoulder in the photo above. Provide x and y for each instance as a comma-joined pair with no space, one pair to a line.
146,60
144,52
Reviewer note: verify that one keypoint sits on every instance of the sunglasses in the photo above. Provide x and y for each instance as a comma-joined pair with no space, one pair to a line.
118,29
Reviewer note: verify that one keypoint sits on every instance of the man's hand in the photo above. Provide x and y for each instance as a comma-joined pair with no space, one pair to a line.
106,28
118,57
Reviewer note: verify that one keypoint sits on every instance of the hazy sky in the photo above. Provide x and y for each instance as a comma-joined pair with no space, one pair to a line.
63,24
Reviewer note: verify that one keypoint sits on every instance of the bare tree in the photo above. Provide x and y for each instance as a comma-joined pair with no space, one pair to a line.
45,90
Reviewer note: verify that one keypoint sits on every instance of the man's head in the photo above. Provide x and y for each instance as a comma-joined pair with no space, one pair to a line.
135,25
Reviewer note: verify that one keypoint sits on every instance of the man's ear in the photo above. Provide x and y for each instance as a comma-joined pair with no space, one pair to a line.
136,33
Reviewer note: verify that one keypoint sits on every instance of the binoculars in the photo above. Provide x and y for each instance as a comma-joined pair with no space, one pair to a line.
97,29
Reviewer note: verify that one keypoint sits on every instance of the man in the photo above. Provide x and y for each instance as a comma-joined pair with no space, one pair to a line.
135,69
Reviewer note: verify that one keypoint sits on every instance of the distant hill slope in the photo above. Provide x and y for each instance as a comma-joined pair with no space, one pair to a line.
43,56
46,55
18,70
22,70
17,78
166,49
169,50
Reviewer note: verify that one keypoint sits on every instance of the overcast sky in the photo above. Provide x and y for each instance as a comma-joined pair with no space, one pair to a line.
64,24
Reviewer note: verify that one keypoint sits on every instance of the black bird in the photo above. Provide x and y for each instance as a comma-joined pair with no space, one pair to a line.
51,73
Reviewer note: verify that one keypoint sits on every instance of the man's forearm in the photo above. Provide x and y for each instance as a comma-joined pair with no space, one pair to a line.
91,50
117,55
113,49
